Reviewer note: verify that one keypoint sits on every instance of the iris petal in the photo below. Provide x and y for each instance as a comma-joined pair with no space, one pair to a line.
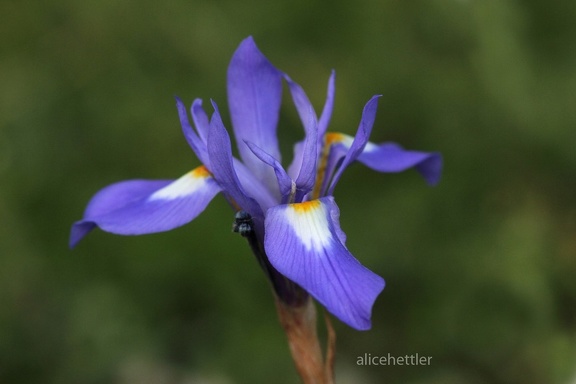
304,242
200,119
391,157
388,157
284,181
328,105
197,144
138,207
254,96
360,140
223,169
302,103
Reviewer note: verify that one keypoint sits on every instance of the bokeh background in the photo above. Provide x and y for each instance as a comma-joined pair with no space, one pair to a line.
480,270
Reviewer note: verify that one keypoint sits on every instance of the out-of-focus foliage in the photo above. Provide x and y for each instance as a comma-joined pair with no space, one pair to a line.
479,270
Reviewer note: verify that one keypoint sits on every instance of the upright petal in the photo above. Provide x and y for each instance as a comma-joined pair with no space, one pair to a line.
328,105
304,242
197,144
254,96
309,118
360,140
222,163
137,207
307,173
200,119
302,103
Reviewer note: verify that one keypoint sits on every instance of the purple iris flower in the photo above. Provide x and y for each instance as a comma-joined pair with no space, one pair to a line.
290,214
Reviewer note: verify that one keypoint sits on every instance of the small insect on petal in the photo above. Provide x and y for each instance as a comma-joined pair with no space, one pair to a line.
243,224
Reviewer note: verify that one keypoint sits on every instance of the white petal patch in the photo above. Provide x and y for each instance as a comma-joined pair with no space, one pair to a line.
310,224
370,147
347,140
184,186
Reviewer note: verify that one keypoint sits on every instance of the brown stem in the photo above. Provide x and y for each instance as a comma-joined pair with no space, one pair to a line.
299,323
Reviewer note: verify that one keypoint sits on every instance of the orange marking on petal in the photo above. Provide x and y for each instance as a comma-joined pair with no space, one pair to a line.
330,138
200,172
305,207
333,137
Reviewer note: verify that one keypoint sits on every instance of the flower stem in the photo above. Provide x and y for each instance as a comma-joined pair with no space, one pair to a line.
299,323
296,311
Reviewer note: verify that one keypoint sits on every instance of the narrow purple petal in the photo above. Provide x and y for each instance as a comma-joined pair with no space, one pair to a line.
360,140
391,157
305,157
254,187
254,96
296,164
284,181
307,174
328,106
195,142
200,119
139,207
222,167
302,103
303,242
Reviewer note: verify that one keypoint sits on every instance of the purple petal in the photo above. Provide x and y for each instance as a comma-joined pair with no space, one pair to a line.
284,181
328,106
307,173
304,161
254,96
303,242
222,167
139,207
296,164
254,187
302,103
195,142
360,140
200,119
391,157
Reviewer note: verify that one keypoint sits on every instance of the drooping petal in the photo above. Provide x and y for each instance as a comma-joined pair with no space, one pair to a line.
254,187
137,207
223,169
388,157
304,243
195,141
391,157
254,96
360,140
285,183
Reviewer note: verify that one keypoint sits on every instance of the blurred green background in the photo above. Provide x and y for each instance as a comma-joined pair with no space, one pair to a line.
479,270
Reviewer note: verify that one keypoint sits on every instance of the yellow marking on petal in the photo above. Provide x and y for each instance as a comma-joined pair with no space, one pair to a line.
200,171
184,186
307,206
330,138
333,137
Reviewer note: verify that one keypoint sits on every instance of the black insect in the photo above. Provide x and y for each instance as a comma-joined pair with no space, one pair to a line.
243,224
